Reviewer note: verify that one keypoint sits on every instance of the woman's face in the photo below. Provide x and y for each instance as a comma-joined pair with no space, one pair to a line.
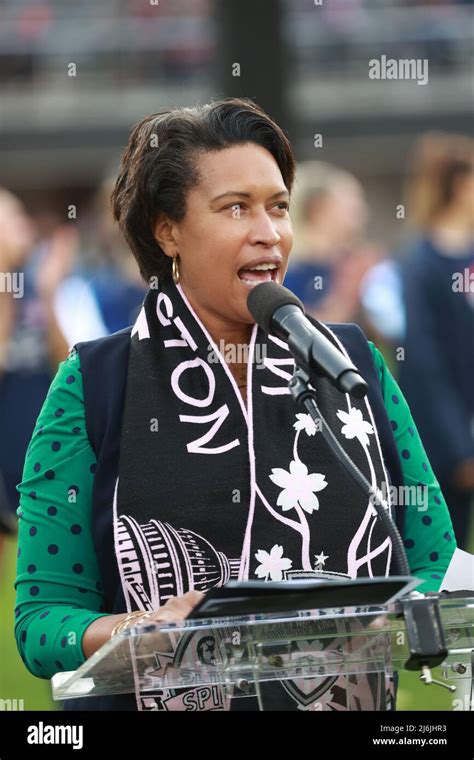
236,218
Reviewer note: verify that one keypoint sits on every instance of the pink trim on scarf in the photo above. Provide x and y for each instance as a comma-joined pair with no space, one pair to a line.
244,564
369,409
126,595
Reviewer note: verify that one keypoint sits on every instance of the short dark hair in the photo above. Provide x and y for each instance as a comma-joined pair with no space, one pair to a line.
158,166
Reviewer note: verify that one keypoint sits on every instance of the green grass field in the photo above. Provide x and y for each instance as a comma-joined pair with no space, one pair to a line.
17,683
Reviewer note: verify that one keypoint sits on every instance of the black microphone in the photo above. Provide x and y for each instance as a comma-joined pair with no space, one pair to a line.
279,312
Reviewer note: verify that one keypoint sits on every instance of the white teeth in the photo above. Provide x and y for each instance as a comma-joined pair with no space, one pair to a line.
264,266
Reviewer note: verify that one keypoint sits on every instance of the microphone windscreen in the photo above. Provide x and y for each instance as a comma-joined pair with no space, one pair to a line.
264,299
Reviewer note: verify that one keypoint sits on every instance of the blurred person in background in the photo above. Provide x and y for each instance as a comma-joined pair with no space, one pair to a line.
330,215
31,345
61,302
437,274
105,295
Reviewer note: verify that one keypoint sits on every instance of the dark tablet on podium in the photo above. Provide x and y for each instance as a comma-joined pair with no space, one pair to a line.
239,598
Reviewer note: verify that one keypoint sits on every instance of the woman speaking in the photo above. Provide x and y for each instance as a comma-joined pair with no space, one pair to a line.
169,458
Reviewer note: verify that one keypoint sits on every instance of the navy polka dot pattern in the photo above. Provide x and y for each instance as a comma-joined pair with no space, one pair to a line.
55,539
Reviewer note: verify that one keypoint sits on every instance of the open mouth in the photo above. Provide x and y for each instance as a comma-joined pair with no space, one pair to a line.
258,274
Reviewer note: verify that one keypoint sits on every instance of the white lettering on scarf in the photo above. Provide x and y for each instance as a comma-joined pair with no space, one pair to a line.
221,414
273,364
195,447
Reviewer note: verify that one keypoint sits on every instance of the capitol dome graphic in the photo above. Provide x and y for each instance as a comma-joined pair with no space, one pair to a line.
159,561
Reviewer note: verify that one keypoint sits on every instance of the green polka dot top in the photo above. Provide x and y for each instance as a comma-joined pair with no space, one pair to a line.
58,586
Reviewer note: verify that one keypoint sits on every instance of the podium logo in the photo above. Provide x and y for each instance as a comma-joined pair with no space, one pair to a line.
41,734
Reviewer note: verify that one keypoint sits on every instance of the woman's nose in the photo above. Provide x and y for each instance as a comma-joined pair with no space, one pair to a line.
263,231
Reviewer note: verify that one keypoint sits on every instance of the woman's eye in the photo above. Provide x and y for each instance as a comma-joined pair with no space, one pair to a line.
234,207
237,208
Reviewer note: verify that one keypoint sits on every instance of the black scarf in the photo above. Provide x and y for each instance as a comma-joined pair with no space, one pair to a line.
210,491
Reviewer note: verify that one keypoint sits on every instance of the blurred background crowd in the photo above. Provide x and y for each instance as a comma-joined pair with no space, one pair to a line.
382,209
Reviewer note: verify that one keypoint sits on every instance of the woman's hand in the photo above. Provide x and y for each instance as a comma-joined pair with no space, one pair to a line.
177,608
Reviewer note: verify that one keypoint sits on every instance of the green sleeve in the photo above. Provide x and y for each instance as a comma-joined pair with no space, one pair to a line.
429,536
58,589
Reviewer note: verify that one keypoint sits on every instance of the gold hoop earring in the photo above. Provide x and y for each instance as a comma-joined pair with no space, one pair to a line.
175,270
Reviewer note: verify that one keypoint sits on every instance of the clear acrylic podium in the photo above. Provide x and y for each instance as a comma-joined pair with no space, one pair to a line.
242,654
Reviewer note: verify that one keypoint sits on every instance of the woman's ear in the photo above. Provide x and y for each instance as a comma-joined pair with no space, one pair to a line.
164,232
